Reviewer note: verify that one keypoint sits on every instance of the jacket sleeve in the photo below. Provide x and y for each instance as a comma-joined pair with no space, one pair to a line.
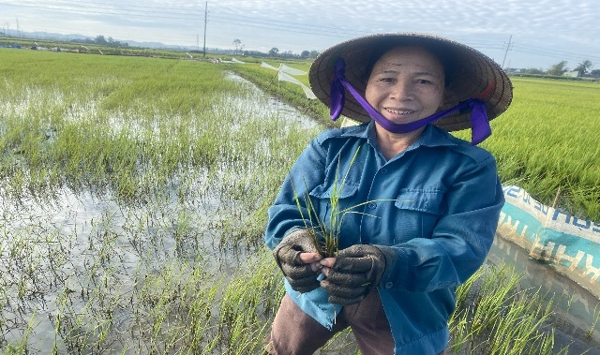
460,240
289,210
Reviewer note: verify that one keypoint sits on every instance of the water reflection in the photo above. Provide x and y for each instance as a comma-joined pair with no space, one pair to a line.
575,310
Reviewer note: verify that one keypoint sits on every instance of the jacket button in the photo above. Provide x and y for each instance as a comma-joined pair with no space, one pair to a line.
389,285
372,205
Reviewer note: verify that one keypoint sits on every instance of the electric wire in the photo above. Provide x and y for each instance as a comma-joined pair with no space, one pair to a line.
220,15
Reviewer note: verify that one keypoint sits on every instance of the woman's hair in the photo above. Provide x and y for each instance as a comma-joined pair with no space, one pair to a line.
445,57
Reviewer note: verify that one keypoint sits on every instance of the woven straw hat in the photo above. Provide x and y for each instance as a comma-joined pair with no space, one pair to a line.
469,74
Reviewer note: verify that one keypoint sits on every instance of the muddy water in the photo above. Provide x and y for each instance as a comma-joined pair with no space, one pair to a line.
273,106
575,310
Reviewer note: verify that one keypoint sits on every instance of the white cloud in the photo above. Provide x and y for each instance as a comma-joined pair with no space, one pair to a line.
558,26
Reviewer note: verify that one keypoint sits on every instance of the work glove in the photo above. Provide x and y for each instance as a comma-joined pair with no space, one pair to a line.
287,254
357,269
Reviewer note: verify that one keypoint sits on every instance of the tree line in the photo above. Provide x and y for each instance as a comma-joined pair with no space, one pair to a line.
559,69
101,41
273,52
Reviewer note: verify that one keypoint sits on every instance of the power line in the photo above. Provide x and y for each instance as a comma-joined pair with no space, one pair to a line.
205,21
529,49
133,11
292,28
508,47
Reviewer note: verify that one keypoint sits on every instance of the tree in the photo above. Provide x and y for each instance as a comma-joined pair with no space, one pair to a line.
595,72
304,54
100,40
558,69
583,67
273,52
238,45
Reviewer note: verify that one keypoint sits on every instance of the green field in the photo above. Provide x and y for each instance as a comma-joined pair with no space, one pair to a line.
545,141
134,193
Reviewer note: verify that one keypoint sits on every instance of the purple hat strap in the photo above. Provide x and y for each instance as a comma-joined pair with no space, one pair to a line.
480,126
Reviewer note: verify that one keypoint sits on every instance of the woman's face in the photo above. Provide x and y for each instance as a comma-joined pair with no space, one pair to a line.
406,84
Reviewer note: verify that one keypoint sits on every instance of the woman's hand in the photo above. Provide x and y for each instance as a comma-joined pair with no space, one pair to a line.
298,259
351,275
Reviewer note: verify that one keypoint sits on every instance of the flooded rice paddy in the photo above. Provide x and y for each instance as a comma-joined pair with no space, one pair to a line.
177,266
86,270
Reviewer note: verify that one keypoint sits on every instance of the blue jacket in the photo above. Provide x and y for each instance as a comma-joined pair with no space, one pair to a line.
432,209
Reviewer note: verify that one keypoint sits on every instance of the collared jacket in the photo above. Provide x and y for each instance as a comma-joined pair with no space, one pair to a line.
433,210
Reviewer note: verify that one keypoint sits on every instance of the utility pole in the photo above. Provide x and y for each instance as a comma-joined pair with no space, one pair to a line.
507,49
205,16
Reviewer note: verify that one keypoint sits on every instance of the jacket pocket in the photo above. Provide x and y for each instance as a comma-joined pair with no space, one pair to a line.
329,191
427,201
417,212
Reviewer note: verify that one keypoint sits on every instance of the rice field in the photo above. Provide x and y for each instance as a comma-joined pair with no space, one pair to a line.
544,142
134,191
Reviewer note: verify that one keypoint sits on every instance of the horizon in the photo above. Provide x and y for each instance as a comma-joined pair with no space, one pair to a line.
537,34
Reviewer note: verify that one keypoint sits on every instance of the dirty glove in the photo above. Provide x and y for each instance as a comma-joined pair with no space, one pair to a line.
287,254
357,269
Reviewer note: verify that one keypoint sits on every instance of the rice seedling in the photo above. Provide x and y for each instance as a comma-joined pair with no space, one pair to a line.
593,326
325,234
494,317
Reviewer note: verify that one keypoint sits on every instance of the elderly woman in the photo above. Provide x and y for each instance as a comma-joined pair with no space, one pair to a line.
417,208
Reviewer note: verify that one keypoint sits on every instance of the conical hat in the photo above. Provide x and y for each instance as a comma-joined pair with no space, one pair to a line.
471,74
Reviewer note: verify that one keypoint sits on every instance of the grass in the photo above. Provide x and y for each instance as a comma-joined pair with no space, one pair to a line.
545,141
134,195
495,317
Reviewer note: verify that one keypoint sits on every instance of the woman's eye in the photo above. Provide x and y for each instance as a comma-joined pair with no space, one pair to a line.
424,81
386,80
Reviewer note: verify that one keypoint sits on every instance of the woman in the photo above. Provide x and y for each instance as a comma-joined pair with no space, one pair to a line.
424,205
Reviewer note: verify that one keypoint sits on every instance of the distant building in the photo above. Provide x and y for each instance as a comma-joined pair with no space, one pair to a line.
513,70
573,74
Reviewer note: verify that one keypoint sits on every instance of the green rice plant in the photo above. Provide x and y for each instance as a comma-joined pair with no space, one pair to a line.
65,140
200,315
325,237
493,317
20,346
590,332
543,143
247,301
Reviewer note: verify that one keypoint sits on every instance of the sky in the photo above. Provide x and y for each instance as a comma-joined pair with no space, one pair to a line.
515,33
